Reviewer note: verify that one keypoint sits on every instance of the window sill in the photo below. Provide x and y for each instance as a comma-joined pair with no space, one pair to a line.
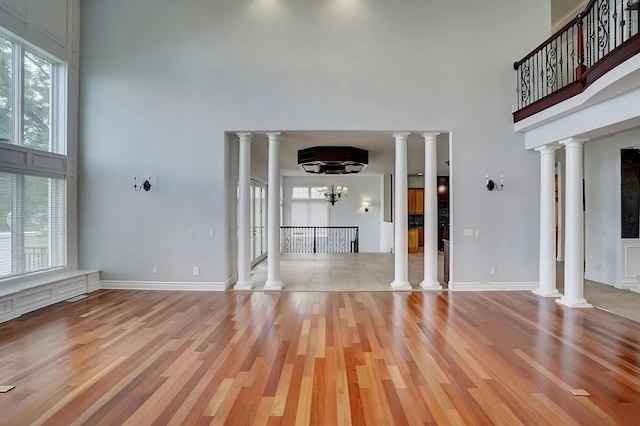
24,294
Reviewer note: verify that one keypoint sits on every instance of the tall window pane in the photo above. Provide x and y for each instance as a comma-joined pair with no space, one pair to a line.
7,191
37,102
6,49
33,228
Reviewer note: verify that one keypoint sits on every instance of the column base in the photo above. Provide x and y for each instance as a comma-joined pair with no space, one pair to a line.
243,285
401,285
547,293
273,285
579,303
434,285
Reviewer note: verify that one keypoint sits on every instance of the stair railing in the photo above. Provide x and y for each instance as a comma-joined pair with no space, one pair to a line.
565,57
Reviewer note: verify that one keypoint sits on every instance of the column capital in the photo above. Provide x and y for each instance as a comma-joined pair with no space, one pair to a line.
273,135
401,135
547,149
573,142
244,135
430,135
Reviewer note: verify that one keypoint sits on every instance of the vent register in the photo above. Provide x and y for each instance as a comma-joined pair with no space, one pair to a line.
333,160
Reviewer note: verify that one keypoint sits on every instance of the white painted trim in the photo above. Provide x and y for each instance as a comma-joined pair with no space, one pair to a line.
626,261
628,286
22,295
20,159
164,285
569,16
493,286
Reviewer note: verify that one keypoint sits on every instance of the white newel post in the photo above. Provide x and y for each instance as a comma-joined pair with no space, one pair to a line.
401,247
547,273
274,280
574,238
430,239
244,205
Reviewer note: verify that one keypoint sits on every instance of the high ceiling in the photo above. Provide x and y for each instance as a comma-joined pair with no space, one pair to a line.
381,147
560,8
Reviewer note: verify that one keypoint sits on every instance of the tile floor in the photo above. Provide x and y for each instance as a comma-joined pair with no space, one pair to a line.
374,272
342,272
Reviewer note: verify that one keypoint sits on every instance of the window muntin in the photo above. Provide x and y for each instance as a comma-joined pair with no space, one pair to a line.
300,192
316,192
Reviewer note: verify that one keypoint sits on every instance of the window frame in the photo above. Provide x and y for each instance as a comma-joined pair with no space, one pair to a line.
23,161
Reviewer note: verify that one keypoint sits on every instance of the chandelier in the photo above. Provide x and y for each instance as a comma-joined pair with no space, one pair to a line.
334,194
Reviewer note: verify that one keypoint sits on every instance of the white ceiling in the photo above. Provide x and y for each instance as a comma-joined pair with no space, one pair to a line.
381,147
560,8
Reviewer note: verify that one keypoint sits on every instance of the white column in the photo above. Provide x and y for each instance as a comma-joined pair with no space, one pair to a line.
547,274
574,237
274,280
401,246
244,206
430,281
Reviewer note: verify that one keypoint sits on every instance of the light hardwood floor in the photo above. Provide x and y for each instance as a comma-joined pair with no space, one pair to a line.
138,358
374,272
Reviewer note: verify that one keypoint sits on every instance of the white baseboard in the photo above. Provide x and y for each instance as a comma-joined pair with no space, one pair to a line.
166,285
28,294
598,278
493,286
628,286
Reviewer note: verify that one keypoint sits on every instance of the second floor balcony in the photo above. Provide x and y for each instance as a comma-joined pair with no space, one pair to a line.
599,39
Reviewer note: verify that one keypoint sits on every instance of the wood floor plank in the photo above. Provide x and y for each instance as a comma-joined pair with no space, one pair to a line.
134,357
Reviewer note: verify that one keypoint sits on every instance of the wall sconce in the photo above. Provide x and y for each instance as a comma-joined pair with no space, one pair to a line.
366,206
146,185
491,185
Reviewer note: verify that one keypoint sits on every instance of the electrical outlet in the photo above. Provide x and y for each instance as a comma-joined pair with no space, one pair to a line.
190,232
155,269
468,232
196,271
476,233
493,270
211,232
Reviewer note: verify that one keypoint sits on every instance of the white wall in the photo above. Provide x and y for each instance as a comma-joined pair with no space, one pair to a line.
348,211
605,257
162,81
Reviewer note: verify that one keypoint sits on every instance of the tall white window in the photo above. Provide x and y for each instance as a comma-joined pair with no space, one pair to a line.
307,208
32,197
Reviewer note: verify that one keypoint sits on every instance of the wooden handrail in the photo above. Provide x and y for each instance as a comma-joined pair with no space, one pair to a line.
555,35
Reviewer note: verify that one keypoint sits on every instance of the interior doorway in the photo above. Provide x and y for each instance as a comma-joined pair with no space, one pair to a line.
258,221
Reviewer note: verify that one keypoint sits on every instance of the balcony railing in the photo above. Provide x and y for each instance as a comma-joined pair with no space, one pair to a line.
36,258
319,239
597,40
